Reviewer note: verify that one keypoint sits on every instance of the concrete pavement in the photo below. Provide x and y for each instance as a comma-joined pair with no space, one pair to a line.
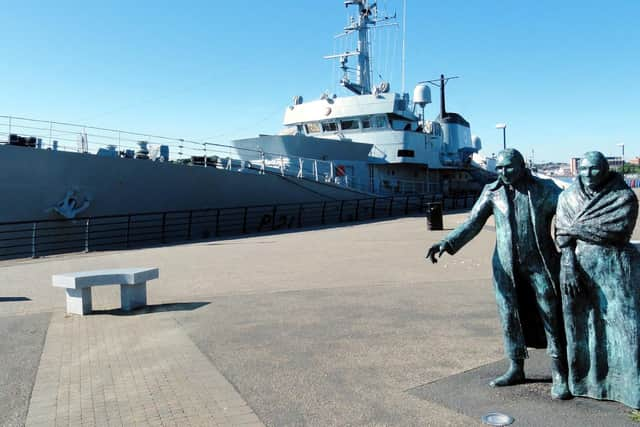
323,327
21,341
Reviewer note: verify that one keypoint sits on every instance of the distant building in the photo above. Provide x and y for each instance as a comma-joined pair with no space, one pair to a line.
635,161
574,162
615,162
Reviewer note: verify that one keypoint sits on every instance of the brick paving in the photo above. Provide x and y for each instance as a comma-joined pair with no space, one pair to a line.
105,370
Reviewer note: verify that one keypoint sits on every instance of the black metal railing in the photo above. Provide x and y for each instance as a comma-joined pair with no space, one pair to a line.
112,232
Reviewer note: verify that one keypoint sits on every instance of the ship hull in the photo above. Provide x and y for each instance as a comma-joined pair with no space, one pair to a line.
35,181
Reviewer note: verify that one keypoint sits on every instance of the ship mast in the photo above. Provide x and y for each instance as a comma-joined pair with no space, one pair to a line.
441,83
367,19
363,72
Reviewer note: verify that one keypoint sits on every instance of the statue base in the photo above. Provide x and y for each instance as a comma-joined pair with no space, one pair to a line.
530,403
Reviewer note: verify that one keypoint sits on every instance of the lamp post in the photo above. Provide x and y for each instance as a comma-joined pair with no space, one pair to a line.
503,126
622,145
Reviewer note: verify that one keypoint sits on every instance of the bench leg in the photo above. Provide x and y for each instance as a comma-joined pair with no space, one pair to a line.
79,301
133,296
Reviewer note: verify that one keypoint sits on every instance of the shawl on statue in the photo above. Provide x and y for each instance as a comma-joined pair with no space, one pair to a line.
607,218
602,322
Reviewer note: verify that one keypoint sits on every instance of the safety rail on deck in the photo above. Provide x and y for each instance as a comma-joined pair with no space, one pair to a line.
23,239
58,136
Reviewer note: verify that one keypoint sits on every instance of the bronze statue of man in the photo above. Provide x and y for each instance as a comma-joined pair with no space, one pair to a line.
600,282
525,265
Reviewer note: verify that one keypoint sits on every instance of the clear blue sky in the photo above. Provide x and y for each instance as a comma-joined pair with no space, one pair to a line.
563,75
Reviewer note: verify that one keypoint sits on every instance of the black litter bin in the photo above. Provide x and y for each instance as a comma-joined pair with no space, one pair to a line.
434,216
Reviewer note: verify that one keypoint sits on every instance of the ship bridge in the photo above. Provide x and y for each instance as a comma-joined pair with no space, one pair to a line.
365,111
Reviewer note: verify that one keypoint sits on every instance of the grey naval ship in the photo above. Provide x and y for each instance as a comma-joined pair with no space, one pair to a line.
372,142
378,138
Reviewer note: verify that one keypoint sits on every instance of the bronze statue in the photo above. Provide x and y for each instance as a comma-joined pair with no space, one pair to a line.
525,265
600,281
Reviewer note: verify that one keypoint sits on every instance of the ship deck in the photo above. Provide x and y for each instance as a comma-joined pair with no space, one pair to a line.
330,326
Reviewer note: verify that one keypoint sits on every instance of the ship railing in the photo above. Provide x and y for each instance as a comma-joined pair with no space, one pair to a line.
71,137
23,239
400,186
59,136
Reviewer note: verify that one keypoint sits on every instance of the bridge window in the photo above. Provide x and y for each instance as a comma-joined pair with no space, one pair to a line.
329,126
378,122
313,127
348,124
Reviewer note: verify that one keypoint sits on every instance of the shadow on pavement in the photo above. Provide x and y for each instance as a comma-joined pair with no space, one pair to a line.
154,308
14,299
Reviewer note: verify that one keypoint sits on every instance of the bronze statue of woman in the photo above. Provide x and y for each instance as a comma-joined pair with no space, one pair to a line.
600,282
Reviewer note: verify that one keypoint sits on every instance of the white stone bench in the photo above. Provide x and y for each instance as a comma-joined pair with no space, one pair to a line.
132,281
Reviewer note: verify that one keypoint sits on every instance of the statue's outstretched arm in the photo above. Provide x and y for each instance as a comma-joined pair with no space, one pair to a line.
481,211
465,232
438,248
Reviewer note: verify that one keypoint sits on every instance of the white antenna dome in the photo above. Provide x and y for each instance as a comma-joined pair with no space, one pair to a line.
422,95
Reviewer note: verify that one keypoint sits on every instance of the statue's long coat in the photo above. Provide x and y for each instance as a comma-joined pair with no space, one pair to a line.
603,321
543,198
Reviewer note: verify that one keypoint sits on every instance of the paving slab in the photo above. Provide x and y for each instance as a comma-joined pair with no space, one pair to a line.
530,404
21,342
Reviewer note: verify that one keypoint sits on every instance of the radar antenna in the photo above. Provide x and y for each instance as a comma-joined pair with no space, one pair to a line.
441,83
367,19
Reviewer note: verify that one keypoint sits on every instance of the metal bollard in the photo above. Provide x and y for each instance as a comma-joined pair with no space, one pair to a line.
434,216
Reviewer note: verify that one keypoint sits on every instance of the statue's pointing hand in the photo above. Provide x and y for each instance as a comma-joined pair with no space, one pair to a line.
438,248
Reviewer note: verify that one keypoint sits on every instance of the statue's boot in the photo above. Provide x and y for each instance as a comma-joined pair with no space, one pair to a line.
560,387
513,376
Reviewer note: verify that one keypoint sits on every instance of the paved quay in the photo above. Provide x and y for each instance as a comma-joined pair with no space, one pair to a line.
336,326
